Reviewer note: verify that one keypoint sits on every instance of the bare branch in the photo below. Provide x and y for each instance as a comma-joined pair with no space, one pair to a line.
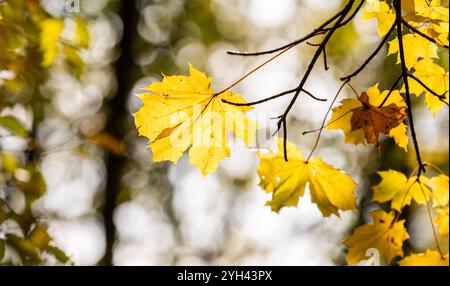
273,97
391,90
370,58
398,24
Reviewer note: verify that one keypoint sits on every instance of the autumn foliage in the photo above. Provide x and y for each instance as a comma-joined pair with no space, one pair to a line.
183,115
179,106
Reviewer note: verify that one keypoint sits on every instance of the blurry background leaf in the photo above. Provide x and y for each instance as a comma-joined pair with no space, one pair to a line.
30,180
107,142
57,253
26,249
9,163
39,237
13,125
2,249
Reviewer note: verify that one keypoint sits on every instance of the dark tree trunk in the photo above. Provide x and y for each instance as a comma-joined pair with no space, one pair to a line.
117,118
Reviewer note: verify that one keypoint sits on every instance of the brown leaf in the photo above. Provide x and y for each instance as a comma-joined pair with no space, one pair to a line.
107,142
375,120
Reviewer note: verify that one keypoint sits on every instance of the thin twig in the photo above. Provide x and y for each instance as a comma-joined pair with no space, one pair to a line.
273,97
391,90
254,70
318,31
325,64
262,100
312,96
324,120
311,65
430,217
370,58
285,140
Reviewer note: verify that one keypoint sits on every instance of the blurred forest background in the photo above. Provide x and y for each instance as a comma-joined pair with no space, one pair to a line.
77,185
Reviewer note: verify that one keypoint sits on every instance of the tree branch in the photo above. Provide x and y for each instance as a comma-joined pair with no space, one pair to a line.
273,97
391,90
318,31
398,24
370,58
311,65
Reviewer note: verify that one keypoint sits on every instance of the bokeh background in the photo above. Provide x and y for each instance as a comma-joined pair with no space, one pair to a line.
106,202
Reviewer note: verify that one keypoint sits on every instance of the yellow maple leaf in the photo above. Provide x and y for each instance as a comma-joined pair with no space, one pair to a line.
330,188
384,14
342,117
431,9
399,189
442,221
436,78
437,31
429,258
385,235
51,30
439,184
417,47
183,112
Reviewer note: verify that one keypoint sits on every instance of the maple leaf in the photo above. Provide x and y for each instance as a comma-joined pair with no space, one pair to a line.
442,221
429,258
399,189
330,188
183,112
363,120
384,14
436,31
51,30
385,234
436,78
417,48
433,10
439,184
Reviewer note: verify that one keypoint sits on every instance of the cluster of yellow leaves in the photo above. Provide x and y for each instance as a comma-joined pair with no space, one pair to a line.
363,119
387,234
183,112
400,190
431,18
330,188
52,41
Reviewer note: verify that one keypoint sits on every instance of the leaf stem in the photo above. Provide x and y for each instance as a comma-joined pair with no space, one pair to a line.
391,90
316,143
370,58
430,217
